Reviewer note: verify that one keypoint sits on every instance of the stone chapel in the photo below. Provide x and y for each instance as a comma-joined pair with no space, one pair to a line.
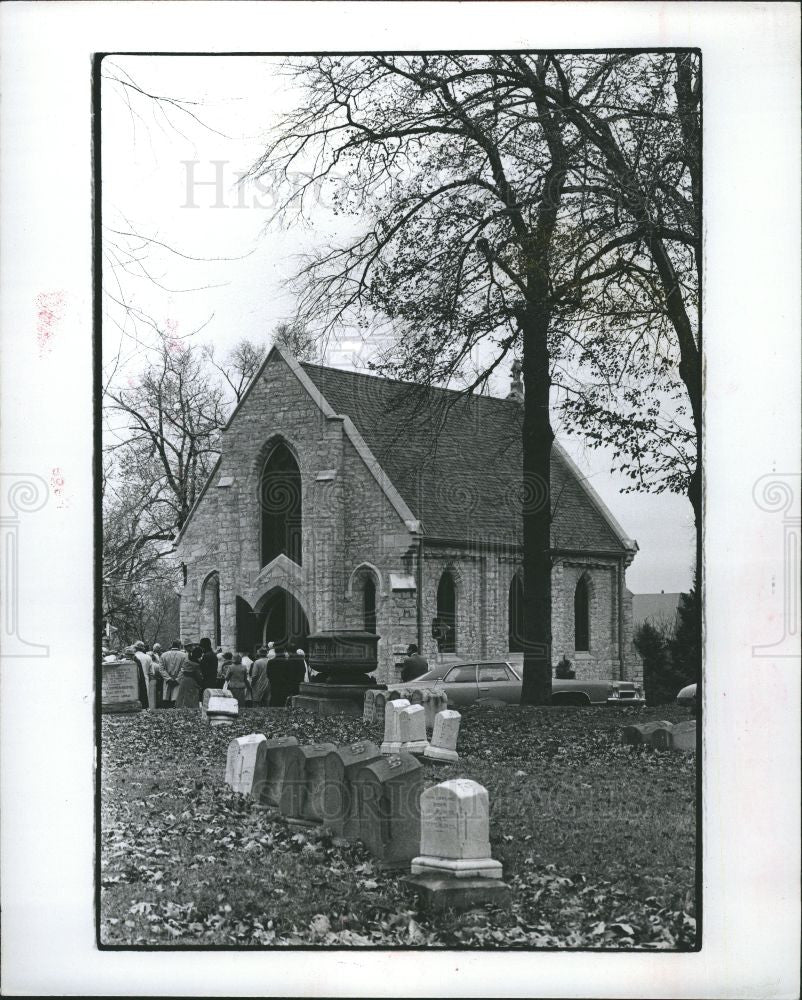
345,500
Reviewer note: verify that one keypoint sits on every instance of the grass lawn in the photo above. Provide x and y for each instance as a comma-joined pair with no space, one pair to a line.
597,839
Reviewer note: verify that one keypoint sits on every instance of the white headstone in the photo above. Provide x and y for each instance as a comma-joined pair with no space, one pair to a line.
221,711
444,738
412,729
242,762
455,831
392,739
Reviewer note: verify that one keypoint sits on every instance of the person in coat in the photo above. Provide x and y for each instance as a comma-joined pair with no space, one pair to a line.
172,663
259,683
414,665
142,683
146,666
189,685
237,678
208,665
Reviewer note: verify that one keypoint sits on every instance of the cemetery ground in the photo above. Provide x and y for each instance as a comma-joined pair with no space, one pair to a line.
597,839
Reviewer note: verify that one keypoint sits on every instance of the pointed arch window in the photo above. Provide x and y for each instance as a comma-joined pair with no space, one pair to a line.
515,614
280,504
447,614
211,608
582,616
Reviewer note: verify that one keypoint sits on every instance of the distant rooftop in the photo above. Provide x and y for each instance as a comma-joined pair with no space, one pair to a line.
654,608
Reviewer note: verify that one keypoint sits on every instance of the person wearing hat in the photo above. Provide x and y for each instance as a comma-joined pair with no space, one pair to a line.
414,665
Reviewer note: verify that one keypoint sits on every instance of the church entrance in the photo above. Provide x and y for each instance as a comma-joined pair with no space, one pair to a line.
282,621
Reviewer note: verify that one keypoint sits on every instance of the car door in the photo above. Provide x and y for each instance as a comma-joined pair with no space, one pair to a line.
497,680
460,684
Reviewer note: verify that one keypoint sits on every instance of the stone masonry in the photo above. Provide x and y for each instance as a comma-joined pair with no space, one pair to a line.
356,526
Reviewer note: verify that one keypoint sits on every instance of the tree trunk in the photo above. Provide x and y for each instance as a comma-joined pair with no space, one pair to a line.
537,437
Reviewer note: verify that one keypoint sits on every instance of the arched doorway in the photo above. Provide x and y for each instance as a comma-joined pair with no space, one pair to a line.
248,637
282,620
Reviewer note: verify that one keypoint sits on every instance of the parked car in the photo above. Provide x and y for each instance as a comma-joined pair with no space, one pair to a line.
466,683
687,697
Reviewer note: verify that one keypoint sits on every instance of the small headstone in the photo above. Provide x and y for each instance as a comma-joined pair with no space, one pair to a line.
642,732
246,763
221,711
444,739
314,787
683,736
369,705
210,693
392,737
412,729
455,832
338,798
379,701
278,766
387,802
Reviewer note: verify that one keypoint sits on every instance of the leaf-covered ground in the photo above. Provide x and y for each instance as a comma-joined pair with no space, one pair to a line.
597,839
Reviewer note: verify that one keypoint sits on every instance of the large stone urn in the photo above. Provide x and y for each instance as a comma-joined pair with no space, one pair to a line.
341,661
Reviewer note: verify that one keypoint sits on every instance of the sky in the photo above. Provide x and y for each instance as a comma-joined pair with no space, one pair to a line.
214,266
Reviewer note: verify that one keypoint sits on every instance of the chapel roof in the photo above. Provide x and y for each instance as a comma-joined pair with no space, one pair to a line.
456,461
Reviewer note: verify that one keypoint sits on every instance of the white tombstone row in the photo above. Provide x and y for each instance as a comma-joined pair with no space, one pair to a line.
412,729
444,738
245,763
455,832
392,737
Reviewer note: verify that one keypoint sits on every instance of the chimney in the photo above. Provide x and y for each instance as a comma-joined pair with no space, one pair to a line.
517,387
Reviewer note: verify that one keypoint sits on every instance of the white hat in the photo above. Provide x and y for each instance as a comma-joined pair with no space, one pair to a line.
270,645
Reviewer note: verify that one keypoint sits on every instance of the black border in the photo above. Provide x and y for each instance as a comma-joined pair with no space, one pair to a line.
97,359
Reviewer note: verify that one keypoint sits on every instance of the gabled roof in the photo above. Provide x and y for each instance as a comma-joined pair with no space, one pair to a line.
450,464
456,461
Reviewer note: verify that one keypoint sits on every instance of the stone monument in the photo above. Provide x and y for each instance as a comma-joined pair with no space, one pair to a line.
392,732
412,729
387,802
454,868
444,738
246,763
119,686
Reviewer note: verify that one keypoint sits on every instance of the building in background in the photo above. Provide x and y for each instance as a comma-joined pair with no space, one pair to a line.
344,500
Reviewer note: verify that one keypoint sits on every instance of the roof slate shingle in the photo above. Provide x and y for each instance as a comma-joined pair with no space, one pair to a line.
456,460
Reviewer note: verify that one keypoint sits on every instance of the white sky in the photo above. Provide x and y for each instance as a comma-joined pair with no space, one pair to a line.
149,165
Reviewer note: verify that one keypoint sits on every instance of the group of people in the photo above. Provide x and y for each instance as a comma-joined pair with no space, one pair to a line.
177,677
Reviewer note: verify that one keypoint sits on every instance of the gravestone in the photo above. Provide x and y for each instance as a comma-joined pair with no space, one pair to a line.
302,788
660,737
387,802
455,832
246,763
412,729
683,736
210,693
119,686
314,786
278,767
369,706
221,711
338,799
379,701
642,732
392,737
444,738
